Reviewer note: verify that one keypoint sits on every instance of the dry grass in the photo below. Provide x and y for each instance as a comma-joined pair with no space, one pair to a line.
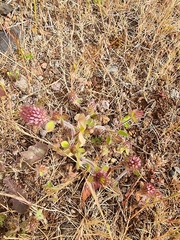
124,52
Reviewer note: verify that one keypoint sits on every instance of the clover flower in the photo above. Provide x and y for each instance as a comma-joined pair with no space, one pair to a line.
33,115
138,114
100,178
150,190
147,192
133,163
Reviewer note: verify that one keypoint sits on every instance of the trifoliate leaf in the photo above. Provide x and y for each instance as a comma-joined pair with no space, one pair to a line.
39,215
126,118
90,122
109,140
50,126
126,125
64,144
123,133
81,150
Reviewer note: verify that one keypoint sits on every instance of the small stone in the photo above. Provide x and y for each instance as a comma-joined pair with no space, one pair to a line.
56,65
6,42
124,190
56,86
40,78
38,38
22,83
44,65
113,160
174,93
73,211
113,69
5,9
43,133
13,97
171,173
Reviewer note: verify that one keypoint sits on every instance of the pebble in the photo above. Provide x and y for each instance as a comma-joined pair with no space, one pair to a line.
174,93
113,69
6,41
44,65
40,78
22,83
5,9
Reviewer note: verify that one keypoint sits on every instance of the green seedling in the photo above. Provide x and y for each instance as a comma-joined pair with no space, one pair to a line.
98,2
51,191
24,55
14,74
2,219
29,56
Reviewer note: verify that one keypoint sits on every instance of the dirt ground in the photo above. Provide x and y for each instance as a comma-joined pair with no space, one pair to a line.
91,63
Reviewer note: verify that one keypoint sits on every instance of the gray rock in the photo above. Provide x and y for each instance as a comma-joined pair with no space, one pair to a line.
5,9
6,41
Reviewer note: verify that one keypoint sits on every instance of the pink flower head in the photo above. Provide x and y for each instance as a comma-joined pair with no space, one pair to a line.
138,114
134,163
33,115
100,178
147,192
151,191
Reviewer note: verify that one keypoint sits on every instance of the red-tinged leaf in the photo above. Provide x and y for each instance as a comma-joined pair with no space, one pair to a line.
2,90
98,180
58,116
50,126
86,192
19,206
13,188
35,153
